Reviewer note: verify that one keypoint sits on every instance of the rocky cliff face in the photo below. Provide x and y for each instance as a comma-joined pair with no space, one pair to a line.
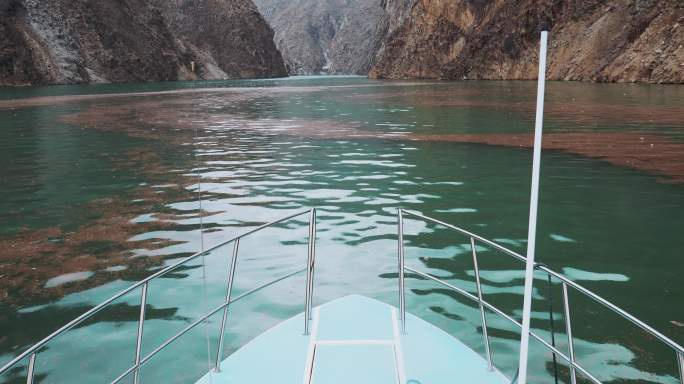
326,36
595,40
84,41
394,16
229,37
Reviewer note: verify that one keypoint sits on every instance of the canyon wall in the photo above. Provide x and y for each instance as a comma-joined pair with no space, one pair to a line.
94,41
85,41
326,36
590,40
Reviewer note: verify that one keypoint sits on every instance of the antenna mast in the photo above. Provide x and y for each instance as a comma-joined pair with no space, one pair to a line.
534,199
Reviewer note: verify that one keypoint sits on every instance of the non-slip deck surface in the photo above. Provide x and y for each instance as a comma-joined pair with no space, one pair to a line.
354,340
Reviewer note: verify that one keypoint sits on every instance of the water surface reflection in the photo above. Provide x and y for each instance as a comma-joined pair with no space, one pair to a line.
99,192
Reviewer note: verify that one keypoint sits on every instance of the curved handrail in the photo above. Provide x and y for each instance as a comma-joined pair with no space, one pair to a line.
499,312
142,283
199,321
566,282
562,278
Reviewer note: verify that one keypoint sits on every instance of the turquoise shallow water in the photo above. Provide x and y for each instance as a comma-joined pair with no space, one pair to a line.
94,203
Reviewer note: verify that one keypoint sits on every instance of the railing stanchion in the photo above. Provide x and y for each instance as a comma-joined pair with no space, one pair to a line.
309,271
141,323
482,311
680,363
229,290
568,331
553,328
31,369
402,292
313,262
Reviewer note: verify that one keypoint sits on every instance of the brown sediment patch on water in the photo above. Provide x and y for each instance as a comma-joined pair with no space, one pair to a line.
562,107
134,97
42,101
140,119
590,112
654,154
645,152
46,101
173,120
31,257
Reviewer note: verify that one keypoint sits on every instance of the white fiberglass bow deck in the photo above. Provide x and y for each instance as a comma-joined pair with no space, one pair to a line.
355,340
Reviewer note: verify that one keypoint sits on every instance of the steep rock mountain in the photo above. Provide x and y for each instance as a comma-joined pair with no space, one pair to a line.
594,40
230,38
394,16
84,41
326,36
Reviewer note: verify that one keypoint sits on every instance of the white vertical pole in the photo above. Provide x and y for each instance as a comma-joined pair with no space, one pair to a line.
532,229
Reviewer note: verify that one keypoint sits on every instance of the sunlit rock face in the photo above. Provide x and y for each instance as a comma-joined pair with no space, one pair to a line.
597,40
326,36
86,41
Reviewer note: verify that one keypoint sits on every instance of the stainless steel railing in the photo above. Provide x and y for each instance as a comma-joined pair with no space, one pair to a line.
34,352
566,283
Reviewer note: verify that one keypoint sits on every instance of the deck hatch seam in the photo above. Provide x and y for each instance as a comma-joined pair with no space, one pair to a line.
356,342
398,352
308,368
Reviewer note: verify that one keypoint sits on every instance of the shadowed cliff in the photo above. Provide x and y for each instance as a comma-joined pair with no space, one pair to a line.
91,41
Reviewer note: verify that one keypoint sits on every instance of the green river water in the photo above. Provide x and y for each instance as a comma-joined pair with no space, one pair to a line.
98,192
